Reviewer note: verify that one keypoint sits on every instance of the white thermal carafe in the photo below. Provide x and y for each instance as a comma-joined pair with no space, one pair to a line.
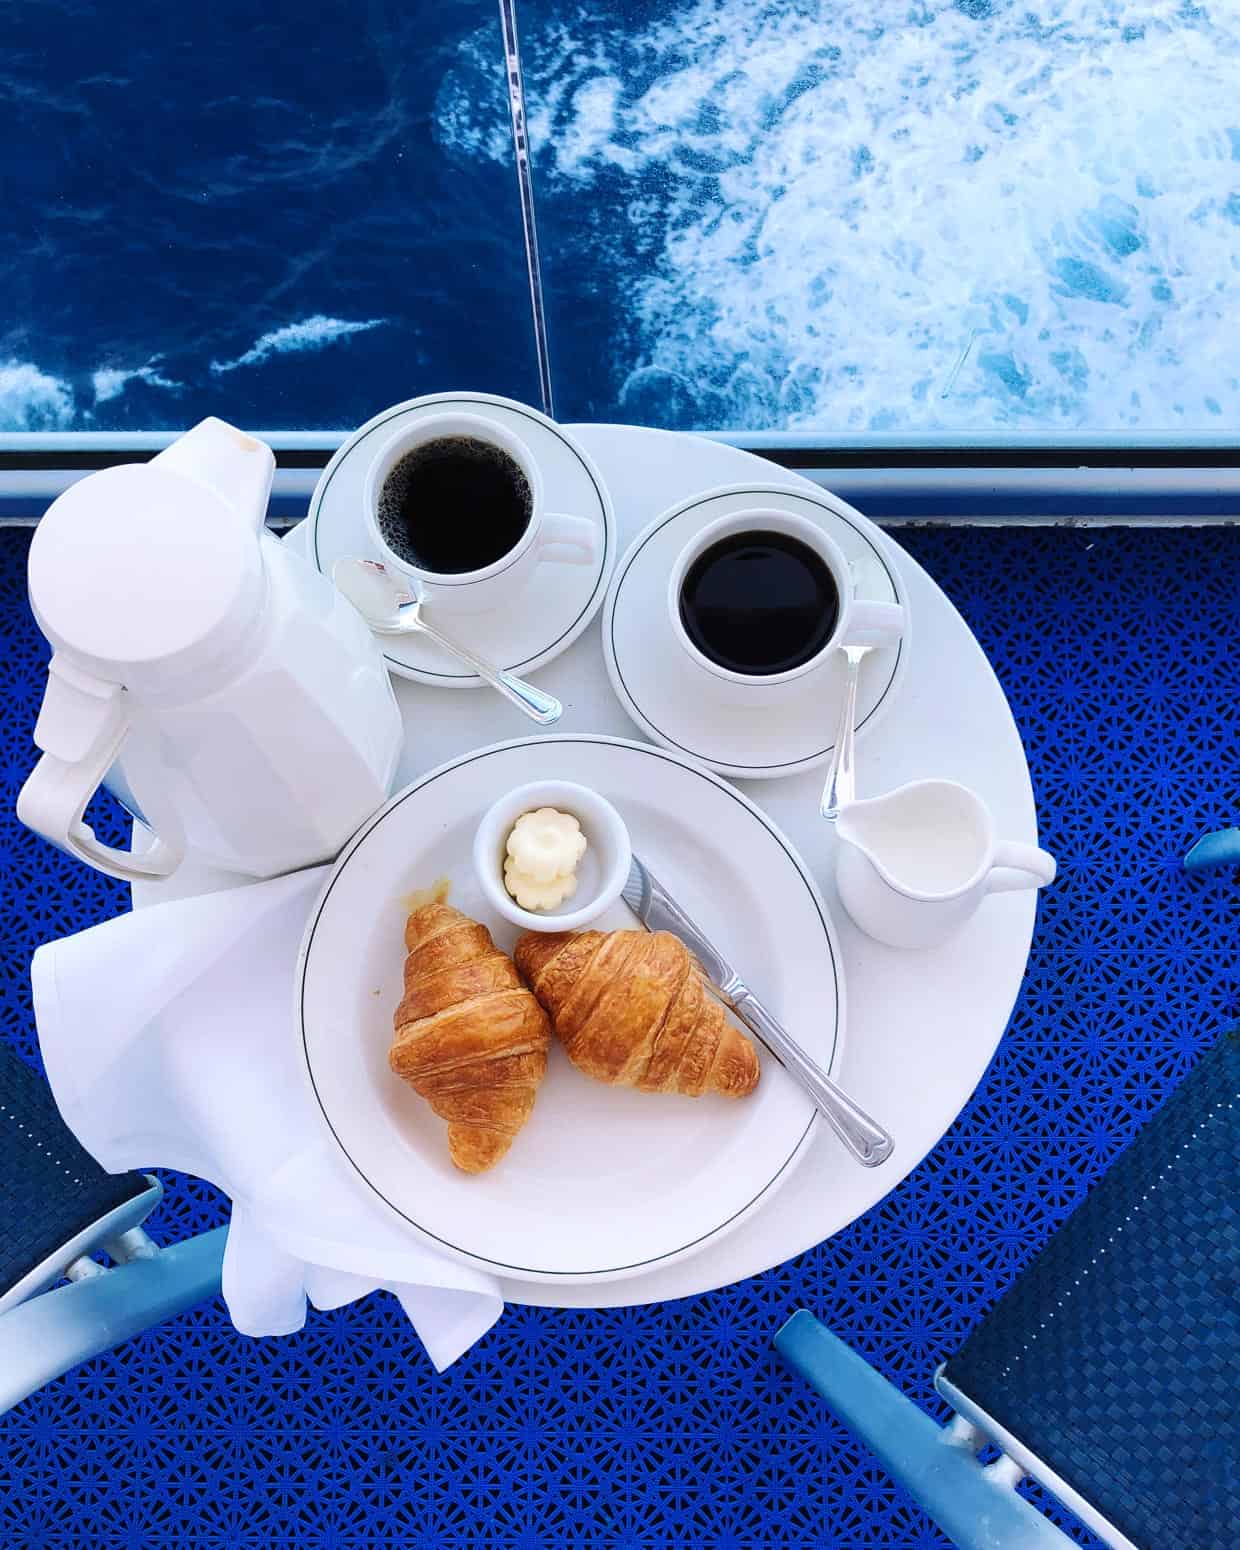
208,675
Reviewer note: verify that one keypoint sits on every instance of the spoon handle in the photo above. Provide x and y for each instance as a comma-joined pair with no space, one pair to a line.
543,708
841,783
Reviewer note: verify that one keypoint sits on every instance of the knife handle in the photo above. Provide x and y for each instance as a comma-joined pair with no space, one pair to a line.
869,1143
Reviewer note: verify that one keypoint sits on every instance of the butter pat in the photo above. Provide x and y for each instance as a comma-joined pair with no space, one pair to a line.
531,894
546,844
543,851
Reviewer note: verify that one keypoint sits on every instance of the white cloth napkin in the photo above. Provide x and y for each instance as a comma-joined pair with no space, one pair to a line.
168,1040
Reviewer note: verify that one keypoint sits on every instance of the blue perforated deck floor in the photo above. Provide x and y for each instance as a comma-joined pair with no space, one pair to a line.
674,1424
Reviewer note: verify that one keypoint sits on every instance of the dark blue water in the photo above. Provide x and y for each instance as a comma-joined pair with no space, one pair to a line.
853,215
183,183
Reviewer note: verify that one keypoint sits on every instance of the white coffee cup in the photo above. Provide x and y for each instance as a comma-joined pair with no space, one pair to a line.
547,535
914,864
858,618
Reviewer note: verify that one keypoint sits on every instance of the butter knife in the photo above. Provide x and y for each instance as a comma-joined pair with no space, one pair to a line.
869,1143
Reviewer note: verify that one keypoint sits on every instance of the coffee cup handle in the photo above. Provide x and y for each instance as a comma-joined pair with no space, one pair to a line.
577,535
1019,866
867,618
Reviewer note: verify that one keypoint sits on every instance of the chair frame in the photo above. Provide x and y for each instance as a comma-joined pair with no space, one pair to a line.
44,1333
73,1258
1029,1463
975,1504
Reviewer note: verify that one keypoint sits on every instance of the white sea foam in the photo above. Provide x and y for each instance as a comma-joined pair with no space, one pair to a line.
110,382
312,333
32,399
900,214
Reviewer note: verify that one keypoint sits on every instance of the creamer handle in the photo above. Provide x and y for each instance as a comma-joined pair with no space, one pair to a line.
1017,866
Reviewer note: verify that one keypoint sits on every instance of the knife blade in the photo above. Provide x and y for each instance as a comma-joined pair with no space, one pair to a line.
657,910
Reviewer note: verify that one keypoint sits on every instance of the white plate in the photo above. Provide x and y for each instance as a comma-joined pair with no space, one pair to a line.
603,1182
561,599
670,699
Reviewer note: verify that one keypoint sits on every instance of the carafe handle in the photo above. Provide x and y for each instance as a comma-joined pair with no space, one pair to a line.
80,729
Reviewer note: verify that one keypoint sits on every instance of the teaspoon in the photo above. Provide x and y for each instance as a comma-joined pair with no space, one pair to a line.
390,608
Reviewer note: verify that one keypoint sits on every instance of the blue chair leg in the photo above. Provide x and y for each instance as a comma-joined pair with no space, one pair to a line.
46,1336
975,1505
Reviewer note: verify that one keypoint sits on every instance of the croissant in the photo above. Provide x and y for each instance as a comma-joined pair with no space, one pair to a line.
630,1007
469,1037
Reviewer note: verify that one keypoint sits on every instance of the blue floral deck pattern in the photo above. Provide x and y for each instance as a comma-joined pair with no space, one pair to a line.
675,1424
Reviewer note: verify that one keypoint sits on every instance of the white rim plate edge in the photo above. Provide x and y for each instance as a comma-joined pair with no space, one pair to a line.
593,1275
824,501
433,678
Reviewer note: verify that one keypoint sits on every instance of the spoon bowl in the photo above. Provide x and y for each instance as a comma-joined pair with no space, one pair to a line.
390,607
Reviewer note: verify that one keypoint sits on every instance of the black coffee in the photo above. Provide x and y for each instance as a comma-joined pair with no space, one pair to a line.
759,603
454,504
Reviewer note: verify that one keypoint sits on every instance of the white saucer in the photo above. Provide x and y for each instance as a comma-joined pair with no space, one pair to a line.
561,600
671,699
603,1182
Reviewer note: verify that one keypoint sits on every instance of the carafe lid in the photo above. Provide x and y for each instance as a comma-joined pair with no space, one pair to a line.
147,574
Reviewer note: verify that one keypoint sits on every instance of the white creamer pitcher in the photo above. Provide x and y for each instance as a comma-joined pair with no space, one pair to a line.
209,676
914,864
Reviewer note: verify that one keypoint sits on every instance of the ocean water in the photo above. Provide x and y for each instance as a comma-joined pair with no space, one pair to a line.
899,215
246,210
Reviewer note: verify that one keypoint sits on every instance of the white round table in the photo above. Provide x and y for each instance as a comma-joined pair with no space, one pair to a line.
922,1026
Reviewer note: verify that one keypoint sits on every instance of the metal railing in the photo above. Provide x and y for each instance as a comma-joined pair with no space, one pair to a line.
978,480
